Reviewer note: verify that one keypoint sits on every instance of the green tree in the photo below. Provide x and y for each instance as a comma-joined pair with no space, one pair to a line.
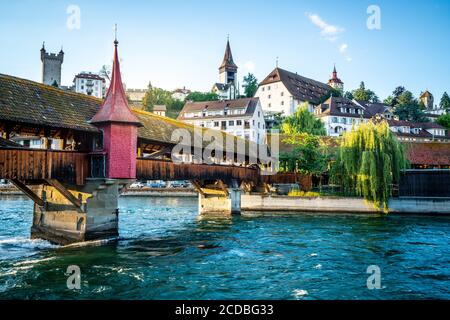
250,85
174,107
364,94
408,108
156,96
308,157
395,95
348,95
302,121
444,120
406,97
202,96
368,162
445,102
410,112
389,101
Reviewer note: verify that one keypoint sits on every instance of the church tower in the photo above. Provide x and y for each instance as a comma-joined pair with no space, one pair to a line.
119,127
335,82
228,69
428,100
51,67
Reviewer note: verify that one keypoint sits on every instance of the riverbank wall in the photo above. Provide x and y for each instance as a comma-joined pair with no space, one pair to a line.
431,206
147,192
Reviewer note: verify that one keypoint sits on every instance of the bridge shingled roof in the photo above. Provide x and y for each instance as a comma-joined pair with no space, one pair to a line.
31,103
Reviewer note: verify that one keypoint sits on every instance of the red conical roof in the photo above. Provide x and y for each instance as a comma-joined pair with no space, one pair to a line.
115,107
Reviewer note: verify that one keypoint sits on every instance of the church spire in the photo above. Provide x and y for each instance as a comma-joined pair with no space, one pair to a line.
115,107
335,82
228,63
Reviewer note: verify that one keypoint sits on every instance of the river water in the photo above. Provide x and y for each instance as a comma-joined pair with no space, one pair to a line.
166,252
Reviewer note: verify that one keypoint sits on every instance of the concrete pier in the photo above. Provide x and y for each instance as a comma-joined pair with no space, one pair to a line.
62,222
229,204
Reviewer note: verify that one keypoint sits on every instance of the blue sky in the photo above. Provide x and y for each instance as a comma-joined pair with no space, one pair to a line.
175,43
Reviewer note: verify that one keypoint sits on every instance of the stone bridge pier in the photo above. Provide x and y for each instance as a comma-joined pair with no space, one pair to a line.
218,198
88,213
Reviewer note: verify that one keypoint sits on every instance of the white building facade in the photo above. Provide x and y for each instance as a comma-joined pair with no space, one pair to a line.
243,118
90,84
283,91
180,94
340,115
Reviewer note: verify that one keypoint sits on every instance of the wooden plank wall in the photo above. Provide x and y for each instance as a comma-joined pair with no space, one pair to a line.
29,164
150,169
425,183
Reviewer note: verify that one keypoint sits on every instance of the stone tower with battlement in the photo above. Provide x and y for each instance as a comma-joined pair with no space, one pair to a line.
51,67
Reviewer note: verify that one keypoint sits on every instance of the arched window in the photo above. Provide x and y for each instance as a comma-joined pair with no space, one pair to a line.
338,130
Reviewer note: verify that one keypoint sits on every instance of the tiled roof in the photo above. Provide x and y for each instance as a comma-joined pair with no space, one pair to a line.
249,104
437,154
222,86
301,88
115,107
29,102
373,108
333,106
426,94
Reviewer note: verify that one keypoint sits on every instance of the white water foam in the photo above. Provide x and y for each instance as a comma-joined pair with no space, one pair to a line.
299,294
31,262
94,243
27,243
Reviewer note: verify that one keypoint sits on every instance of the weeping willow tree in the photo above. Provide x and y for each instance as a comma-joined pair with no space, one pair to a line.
369,162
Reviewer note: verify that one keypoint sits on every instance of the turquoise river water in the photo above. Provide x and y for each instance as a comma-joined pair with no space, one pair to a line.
166,252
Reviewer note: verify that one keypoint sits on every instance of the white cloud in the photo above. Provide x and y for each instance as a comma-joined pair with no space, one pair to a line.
250,66
329,31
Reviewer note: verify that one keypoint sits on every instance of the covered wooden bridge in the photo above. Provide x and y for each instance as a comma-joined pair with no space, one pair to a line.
102,147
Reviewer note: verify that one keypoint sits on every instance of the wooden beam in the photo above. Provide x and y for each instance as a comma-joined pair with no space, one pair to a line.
223,187
159,153
198,187
33,196
66,193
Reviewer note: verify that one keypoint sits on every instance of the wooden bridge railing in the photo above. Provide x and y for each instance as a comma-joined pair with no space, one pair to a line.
36,164
149,169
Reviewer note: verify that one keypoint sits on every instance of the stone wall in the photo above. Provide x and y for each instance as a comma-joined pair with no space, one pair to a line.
342,205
